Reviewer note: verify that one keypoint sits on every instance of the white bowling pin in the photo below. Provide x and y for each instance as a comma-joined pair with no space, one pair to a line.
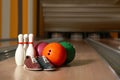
20,53
25,42
31,50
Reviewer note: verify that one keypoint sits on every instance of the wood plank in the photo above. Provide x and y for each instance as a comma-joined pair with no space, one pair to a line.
85,19
81,17
82,14
79,9
14,19
0,19
82,26
5,19
87,65
79,1
80,5
24,16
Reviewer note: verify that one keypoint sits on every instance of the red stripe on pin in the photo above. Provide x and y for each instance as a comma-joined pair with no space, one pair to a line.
25,42
30,42
20,42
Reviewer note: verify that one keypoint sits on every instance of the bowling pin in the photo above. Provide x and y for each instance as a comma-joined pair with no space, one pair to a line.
25,42
31,50
20,53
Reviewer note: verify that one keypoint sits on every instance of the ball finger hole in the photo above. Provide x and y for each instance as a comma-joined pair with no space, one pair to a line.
48,53
49,50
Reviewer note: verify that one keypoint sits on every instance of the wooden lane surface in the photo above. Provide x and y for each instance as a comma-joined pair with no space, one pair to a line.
111,42
87,65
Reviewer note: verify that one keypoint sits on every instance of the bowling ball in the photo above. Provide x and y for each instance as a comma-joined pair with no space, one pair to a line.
70,51
36,44
35,47
55,53
40,48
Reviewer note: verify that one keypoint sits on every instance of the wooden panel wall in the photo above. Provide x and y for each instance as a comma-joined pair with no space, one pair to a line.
80,1
13,18
81,17
11,24
0,18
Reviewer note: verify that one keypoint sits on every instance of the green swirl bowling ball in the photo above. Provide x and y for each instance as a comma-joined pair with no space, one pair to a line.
70,51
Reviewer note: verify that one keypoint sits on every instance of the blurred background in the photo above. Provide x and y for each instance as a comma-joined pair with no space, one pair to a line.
72,19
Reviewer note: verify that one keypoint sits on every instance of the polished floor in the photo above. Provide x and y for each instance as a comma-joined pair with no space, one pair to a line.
87,65
111,42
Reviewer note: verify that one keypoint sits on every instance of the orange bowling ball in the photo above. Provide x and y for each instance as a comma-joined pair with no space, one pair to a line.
55,53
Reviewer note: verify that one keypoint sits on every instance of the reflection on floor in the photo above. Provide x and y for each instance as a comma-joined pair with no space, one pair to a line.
7,49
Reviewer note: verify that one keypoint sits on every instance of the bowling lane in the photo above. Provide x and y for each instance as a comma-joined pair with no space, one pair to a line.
87,65
111,42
